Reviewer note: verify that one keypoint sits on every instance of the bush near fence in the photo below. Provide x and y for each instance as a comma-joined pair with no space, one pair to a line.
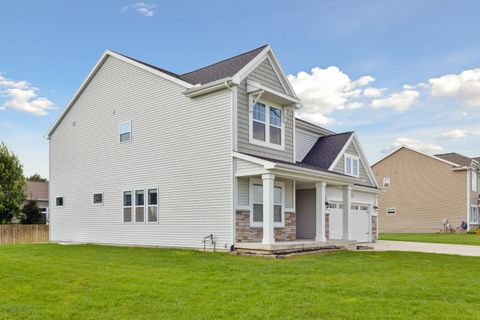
23,233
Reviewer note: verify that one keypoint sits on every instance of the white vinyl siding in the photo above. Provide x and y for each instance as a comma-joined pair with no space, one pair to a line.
181,145
305,140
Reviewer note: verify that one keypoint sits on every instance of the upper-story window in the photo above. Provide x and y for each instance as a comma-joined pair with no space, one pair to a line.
352,165
267,125
125,131
386,182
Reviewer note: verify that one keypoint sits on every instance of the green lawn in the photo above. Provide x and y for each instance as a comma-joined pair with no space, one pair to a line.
453,238
51,281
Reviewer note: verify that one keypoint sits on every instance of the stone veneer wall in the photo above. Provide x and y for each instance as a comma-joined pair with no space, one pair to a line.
245,233
374,229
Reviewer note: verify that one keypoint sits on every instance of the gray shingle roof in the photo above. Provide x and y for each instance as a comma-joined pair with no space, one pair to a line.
219,70
326,150
456,158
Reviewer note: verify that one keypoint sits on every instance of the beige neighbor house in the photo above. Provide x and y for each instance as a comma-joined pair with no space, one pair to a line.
38,191
421,191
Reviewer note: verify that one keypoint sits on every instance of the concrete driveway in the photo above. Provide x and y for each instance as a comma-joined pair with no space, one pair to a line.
458,249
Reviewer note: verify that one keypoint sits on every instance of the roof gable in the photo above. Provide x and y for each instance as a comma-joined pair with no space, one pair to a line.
326,150
413,150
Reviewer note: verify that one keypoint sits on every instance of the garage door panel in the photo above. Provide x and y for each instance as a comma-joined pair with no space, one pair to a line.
359,219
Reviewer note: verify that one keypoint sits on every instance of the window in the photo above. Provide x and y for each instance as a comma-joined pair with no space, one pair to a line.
267,125
257,204
139,206
127,207
98,198
59,201
152,205
125,131
386,182
474,214
391,211
474,181
351,165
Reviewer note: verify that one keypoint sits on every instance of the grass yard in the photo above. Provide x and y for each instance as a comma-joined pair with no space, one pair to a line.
49,281
452,238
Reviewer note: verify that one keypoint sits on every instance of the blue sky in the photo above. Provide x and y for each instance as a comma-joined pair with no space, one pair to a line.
422,55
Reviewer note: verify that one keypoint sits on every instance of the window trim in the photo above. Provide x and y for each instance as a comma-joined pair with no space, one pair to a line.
132,194
134,205
389,182
267,142
391,214
474,209
63,201
474,181
148,205
93,199
276,183
352,157
129,122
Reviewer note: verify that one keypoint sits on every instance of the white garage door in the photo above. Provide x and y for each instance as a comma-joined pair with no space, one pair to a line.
359,222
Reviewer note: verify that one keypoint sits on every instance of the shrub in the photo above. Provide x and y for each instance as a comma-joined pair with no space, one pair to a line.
31,213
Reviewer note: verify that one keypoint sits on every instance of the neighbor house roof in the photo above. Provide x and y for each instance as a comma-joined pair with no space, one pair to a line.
219,70
326,149
37,190
456,158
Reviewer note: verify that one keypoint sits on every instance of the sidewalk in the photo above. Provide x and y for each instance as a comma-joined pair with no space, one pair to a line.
458,249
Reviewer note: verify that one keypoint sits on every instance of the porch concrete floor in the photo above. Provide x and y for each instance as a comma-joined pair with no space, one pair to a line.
299,244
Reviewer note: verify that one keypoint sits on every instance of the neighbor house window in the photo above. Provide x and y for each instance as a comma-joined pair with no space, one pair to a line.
152,205
391,211
386,182
59,201
98,198
474,181
474,218
267,125
127,206
352,165
257,204
139,206
125,131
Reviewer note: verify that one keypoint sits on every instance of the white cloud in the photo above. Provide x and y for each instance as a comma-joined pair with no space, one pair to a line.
453,134
458,133
143,8
412,143
21,96
373,92
464,86
324,90
400,101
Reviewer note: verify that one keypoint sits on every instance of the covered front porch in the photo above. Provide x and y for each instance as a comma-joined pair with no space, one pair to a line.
285,207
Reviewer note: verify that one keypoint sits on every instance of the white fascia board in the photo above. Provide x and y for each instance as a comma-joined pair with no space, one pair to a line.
364,160
265,163
311,175
368,190
95,69
285,79
340,154
417,151
283,98
198,90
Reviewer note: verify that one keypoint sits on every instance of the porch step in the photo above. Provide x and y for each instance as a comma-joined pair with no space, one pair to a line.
287,253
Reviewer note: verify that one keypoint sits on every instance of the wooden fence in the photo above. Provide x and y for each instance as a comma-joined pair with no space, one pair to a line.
23,233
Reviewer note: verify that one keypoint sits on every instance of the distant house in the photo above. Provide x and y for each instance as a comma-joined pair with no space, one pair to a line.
422,190
38,190
145,156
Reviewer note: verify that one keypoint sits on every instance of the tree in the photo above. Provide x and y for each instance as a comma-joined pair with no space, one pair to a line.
31,213
12,185
37,177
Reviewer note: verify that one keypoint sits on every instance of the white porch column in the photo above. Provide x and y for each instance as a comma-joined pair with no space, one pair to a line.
268,225
320,198
347,203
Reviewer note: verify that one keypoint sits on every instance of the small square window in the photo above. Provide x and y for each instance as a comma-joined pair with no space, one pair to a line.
125,131
391,211
59,201
386,182
98,198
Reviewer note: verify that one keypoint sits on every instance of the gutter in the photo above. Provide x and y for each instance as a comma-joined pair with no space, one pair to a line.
209,87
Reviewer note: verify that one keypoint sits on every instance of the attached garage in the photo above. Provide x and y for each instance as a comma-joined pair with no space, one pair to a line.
359,220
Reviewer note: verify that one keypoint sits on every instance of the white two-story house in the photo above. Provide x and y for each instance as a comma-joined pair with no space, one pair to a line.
145,156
